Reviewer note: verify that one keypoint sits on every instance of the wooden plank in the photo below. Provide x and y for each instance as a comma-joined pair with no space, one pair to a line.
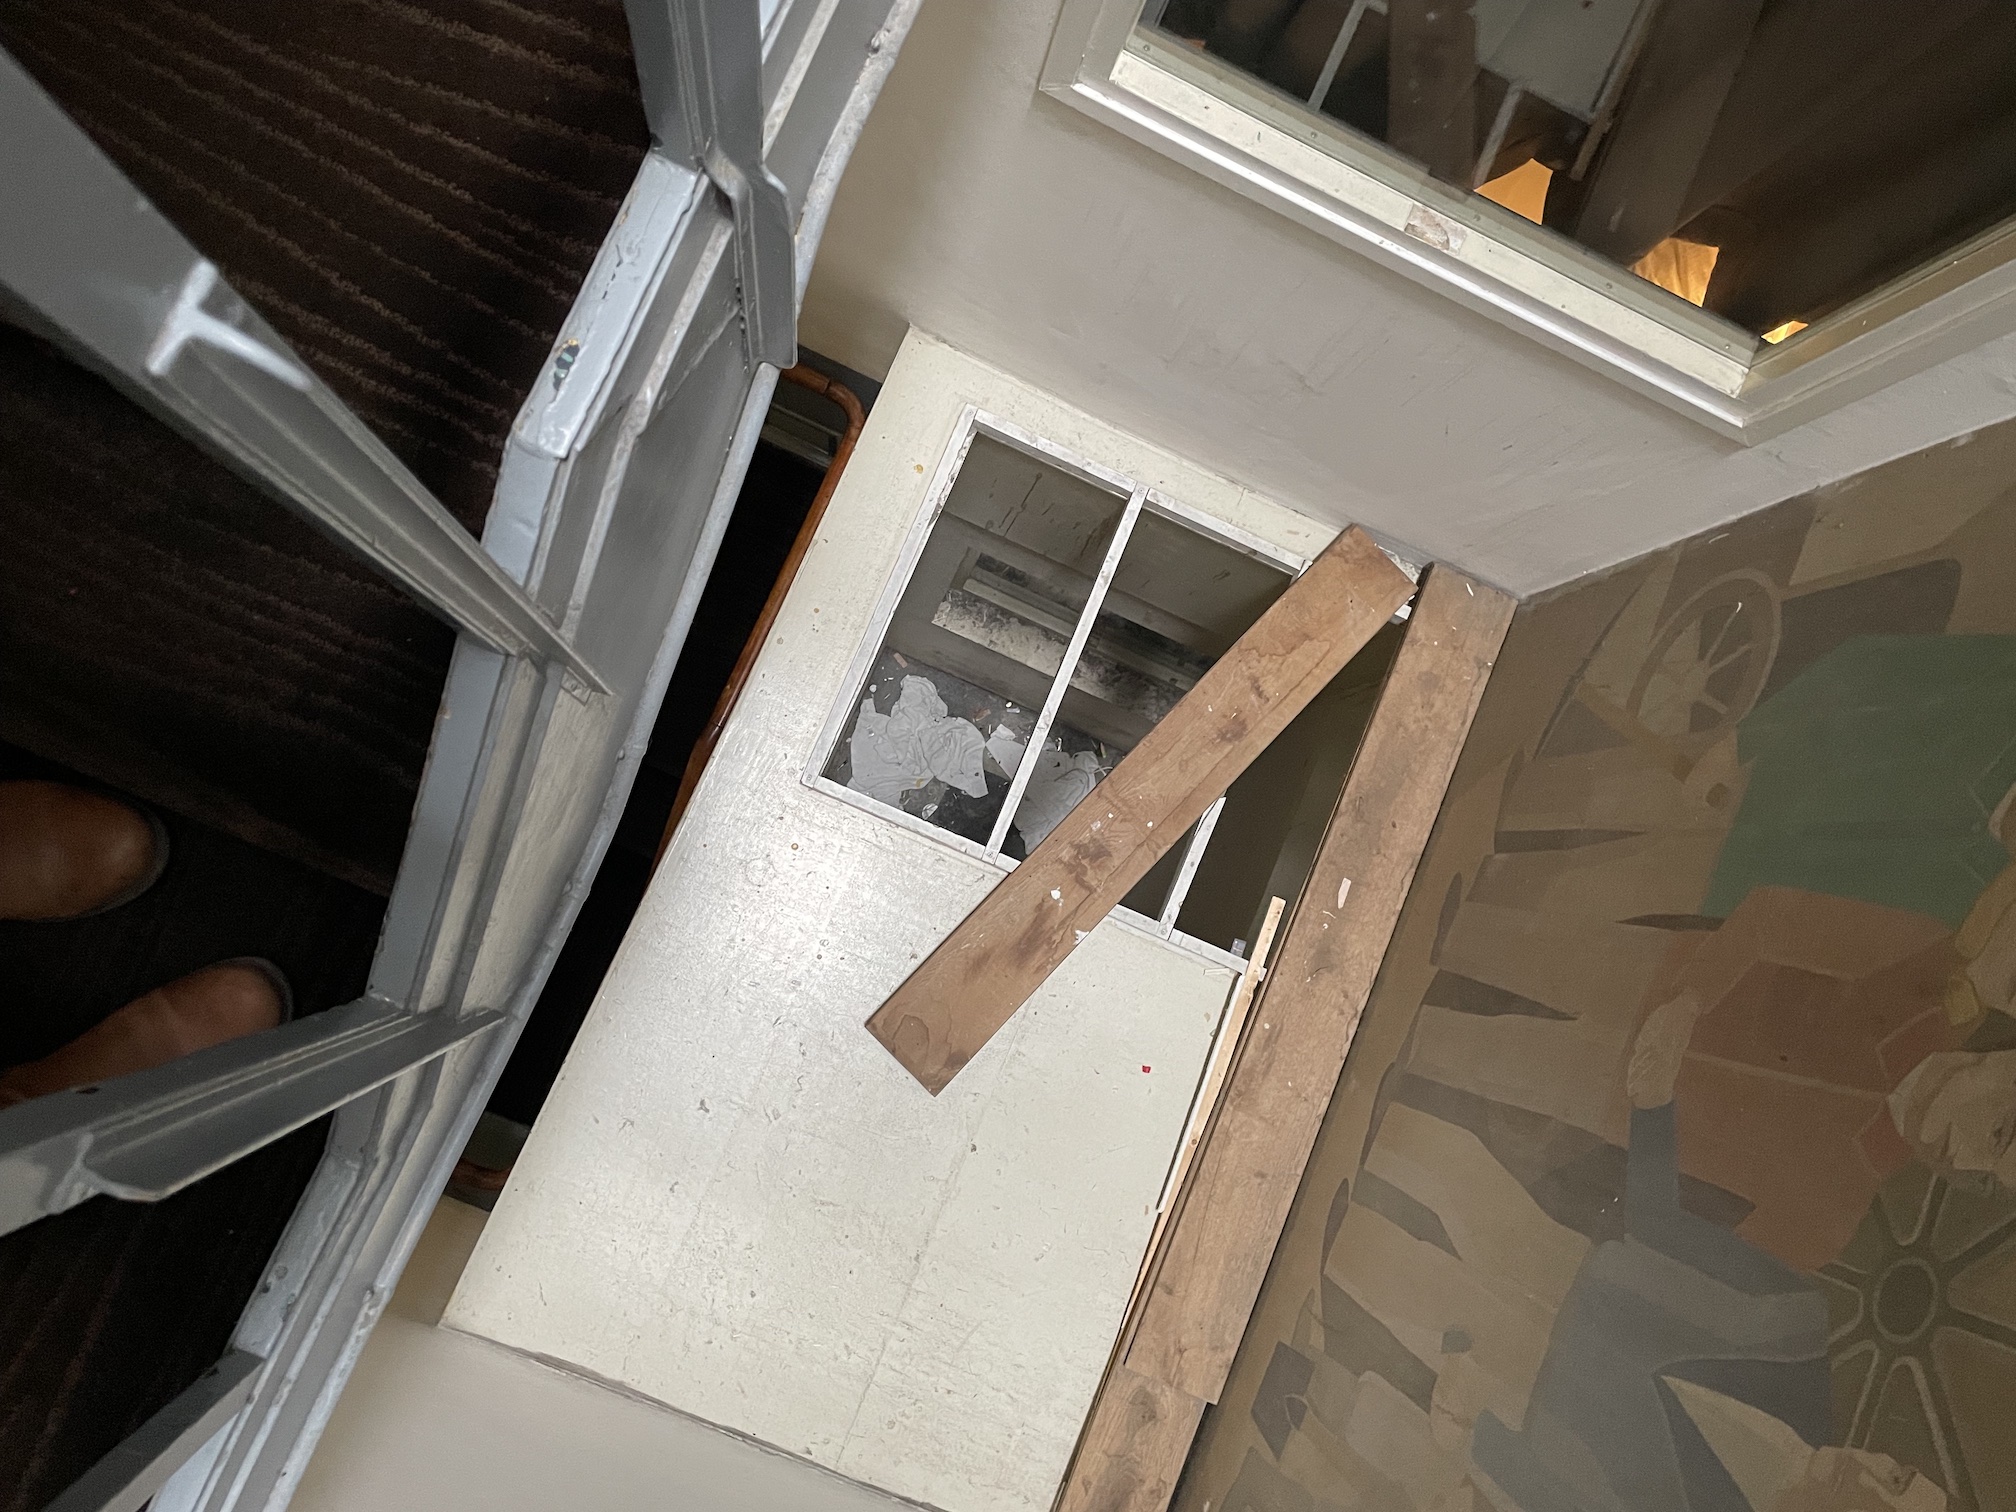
1247,1173
1431,86
1806,65
1637,192
1133,1446
1224,1053
971,985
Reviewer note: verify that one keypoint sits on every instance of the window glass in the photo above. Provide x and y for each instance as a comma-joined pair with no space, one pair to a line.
1178,601
1151,893
946,712
949,724
977,717
1767,160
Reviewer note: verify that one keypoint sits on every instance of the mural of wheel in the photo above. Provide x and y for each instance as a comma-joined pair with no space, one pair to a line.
1709,661
1923,1345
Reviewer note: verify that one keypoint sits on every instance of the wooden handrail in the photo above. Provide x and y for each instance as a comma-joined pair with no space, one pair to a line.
703,748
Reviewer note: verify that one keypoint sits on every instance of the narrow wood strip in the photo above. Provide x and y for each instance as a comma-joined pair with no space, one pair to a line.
1224,1054
1135,1441
971,985
1231,1035
1133,1446
1246,1175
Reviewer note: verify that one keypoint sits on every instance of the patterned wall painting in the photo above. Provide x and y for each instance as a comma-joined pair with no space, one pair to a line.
1674,1169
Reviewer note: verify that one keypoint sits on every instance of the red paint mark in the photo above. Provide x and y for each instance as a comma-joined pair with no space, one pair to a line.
1146,1069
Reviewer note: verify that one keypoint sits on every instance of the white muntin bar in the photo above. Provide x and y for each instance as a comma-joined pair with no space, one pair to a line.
1192,859
1027,767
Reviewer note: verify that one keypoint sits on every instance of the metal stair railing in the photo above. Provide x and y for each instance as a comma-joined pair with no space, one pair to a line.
613,493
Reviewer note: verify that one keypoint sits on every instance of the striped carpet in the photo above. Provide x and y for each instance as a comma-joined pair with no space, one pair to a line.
167,628
409,192
102,1323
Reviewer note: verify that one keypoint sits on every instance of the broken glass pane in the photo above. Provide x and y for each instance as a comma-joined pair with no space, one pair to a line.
1178,601
947,711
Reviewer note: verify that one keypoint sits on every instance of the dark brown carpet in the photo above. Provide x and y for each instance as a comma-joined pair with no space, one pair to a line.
166,627
410,192
110,1309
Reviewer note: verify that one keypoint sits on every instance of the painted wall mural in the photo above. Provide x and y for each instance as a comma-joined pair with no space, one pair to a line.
1674,1169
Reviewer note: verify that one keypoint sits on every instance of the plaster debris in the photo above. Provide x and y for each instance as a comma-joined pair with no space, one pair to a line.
1006,750
1434,228
1060,783
894,753
1343,891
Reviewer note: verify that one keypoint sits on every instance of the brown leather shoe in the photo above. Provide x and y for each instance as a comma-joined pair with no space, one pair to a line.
66,852
194,1012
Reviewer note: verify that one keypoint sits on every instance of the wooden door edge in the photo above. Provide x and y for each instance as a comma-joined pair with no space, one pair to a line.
1142,1425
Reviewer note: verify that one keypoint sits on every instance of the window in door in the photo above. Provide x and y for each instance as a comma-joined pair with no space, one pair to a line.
1050,614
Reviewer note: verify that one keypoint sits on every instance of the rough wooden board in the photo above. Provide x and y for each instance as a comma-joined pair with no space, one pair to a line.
1638,188
1230,1038
1431,86
1133,1448
971,985
1224,1054
1246,1176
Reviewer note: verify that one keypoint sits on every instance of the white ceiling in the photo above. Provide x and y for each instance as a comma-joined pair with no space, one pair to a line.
1009,225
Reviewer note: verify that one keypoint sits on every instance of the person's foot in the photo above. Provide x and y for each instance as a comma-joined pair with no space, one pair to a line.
66,851
194,1012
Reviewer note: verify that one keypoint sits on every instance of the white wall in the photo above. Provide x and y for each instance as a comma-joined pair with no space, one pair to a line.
735,1201
434,1421
1019,230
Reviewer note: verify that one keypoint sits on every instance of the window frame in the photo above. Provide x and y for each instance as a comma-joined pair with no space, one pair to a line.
975,421
1363,195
